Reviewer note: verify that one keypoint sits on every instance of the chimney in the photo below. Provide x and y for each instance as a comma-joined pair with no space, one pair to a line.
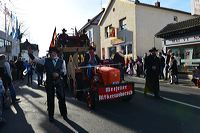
88,20
137,1
157,4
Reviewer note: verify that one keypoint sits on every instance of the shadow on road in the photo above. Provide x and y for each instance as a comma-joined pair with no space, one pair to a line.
76,126
16,121
149,115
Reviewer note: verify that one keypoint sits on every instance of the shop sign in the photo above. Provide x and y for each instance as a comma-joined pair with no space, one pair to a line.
183,40
114,92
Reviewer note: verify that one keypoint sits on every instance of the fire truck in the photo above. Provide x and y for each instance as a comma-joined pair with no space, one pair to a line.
105,84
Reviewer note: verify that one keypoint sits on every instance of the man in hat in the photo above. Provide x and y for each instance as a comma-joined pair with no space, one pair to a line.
91,59
55,70
63,38
152,68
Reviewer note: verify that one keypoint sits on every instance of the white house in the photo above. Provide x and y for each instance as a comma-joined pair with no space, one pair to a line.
92,30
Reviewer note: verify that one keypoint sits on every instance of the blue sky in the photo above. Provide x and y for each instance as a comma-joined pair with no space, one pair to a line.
41,16
184,5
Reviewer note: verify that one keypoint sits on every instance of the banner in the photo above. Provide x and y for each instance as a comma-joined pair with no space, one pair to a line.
53,40
114,92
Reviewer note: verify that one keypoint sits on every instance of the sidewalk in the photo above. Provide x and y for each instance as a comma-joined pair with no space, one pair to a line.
30,114
182,82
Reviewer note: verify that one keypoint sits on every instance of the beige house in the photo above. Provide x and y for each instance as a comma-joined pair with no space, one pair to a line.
131,26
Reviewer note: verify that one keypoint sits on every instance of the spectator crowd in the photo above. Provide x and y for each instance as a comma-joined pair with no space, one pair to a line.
11,71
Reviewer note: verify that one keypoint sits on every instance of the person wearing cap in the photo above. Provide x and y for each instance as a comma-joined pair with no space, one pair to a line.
152,68
63,38
55,70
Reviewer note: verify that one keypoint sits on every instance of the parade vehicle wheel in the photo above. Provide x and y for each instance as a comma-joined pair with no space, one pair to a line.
90,100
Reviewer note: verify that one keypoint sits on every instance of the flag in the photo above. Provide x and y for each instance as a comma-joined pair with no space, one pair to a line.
53,41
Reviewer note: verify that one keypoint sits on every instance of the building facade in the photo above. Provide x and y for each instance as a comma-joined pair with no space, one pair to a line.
184,40
9,29
92,30
131,26
9,45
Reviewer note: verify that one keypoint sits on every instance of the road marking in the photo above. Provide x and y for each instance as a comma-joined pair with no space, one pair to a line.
175,101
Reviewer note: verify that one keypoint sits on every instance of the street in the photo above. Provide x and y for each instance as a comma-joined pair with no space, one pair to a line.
177,112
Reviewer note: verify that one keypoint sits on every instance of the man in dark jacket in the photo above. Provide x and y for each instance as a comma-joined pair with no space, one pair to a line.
63,38
39,71
55,70
91,59
152,68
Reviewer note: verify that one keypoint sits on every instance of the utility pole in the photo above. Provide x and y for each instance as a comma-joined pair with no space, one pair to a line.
5,42
5,11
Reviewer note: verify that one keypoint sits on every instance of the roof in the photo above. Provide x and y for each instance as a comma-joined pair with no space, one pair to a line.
180,28
26,44
93,21
142,4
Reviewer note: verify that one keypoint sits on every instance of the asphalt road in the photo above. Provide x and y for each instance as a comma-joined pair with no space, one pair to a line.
177,112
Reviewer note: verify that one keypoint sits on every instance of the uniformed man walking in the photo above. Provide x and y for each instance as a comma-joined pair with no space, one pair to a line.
55,70
152,68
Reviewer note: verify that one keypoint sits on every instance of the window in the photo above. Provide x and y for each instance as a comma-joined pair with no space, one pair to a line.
90,35
112,51
175,18
129,49
1,43
7,43
122,24
107,31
